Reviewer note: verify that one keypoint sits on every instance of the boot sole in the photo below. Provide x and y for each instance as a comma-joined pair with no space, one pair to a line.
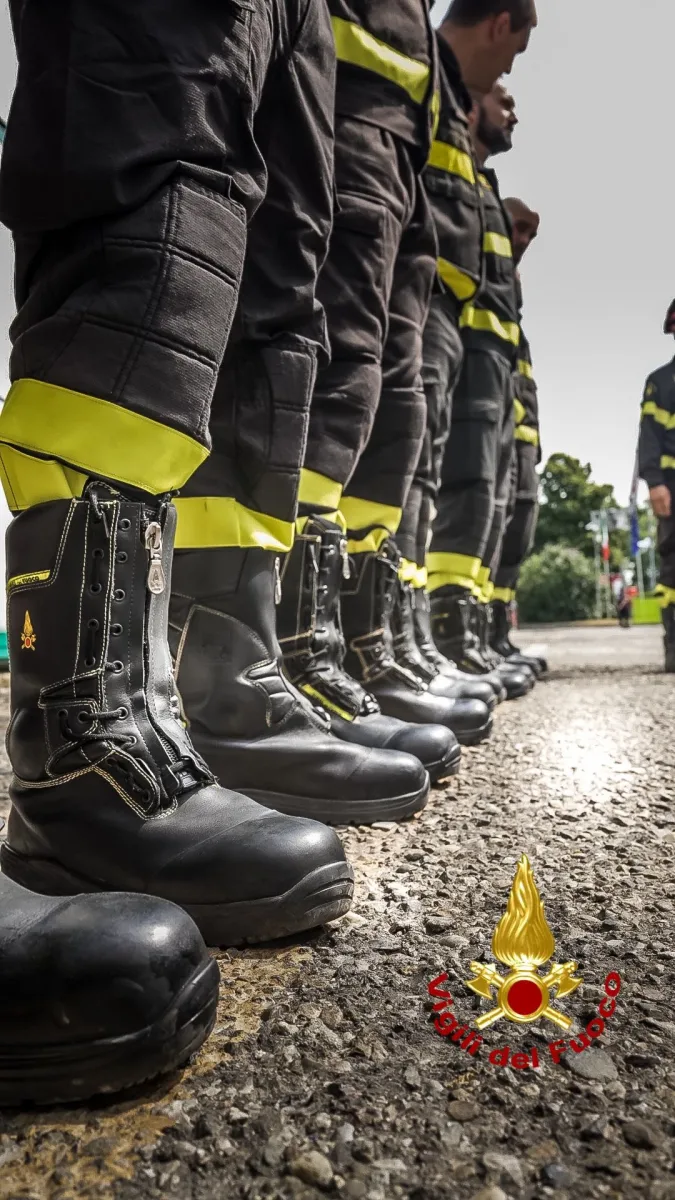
344,812
447,768
62,1074
474,737
323,895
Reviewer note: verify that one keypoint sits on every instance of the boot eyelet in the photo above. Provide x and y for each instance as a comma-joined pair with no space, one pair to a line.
95,588
122,556
90,662
98,553
118,667
116,630
131,741
120,594
92,623
123,713
63,712
125,523
83,717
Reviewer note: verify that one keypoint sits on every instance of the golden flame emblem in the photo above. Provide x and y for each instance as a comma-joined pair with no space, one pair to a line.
523,941
28,635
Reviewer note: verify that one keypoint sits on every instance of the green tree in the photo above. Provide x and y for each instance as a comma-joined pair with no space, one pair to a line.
557,584
569,496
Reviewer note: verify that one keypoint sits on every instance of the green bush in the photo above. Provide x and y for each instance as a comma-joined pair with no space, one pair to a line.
558,584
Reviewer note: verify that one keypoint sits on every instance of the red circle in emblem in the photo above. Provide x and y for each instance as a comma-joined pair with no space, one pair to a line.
525,997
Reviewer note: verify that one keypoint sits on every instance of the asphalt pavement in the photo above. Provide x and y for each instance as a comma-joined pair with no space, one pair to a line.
326,1075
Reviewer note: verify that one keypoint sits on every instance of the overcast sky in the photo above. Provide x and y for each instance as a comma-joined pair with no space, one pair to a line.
594,155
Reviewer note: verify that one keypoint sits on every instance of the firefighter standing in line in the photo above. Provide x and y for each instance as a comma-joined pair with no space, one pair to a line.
657,468
524,499
368,409
475,477
128,267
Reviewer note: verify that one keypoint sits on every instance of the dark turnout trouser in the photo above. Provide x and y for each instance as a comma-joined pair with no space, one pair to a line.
475,470
134,161
443,352
368,410
521,527
666,547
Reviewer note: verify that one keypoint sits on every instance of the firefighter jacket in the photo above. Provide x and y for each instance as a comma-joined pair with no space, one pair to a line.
393,45
495,310
451,181
657,428
526,400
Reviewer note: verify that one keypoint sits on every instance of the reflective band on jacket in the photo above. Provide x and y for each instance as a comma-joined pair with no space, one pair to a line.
503,595
525,433
27,481
319,490
355,45
463,286
525,368
452,570
488,322
499,244
205,522
667,463
448,158
650,409
518,411
97,437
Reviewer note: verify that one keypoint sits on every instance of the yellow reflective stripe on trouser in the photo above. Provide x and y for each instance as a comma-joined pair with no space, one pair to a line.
455,162
518,411
205,522
27,481
407,570
661,415
497,243
420,579
380,520
319,490
503,595
525,368
463,286
488,322
353,44
525,433
667,463
452,570
665,595
98,437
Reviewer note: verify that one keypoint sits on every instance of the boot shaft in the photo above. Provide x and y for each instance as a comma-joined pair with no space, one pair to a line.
88,589
406,649
500,625
367,600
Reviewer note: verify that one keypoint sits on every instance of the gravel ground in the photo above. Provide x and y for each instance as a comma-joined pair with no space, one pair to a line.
325,1075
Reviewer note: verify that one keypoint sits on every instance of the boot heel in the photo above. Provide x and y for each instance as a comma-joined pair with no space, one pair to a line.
42,875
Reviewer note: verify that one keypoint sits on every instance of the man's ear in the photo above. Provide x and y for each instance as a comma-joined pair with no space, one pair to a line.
501,26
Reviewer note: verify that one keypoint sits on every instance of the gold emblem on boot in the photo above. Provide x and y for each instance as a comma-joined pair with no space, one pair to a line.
523,941
28,636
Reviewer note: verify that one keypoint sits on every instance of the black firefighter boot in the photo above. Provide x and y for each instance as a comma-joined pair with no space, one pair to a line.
471,720
367,599
669,639
467,686
253,727
313,648
108,793
451,627
99,993
500,640
516,677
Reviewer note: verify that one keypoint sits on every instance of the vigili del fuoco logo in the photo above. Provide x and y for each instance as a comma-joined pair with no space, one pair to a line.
523,942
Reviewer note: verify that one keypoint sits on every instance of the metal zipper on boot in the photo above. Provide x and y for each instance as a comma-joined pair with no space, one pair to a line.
277,581
346,568
153,544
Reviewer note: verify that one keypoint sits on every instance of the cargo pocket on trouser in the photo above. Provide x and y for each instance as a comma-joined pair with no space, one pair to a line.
354,287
